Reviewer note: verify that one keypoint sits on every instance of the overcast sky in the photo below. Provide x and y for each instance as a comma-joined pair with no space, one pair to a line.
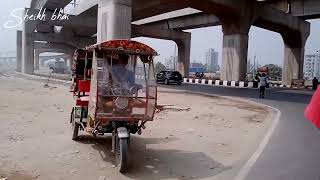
266,45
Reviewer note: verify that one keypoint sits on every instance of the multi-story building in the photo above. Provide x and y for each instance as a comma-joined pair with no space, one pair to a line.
317,66
212,60
312,66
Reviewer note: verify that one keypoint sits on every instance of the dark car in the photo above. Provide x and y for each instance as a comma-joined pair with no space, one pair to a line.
168,77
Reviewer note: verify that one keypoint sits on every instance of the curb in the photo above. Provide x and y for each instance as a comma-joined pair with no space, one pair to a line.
43,78
242,84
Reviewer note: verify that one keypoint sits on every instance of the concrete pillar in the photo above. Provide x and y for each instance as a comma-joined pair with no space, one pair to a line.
27,49
294,50
42,63
114,20
36,60
65,65
235,29
234,57
19,51
184,47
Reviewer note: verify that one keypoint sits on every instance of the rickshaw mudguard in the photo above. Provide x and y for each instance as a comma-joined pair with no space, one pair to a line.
122,133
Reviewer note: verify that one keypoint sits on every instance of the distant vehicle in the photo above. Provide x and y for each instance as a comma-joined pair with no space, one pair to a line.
168,77
199,75
59,67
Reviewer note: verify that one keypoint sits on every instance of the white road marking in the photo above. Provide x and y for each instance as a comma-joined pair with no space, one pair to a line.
253,159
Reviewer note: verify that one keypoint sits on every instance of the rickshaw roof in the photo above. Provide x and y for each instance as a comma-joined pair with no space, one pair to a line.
124,46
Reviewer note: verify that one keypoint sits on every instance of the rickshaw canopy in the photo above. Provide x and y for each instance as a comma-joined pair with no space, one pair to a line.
124,46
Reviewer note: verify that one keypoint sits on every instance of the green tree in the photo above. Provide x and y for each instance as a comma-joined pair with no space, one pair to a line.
275,71
160,67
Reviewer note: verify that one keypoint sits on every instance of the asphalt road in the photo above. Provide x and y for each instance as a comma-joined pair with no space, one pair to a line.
293,152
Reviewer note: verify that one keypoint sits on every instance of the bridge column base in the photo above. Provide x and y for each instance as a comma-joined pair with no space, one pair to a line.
234,57
184,47
19,51
28,54
36,61
65,65
294,55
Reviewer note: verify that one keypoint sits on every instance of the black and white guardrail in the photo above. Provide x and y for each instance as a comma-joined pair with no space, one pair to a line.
242,84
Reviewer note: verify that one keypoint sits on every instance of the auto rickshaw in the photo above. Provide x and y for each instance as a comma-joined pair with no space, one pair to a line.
115,92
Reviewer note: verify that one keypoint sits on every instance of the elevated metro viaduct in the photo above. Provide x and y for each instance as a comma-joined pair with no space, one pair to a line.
100,20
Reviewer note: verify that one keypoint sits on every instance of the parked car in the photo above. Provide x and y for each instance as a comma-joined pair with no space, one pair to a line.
168,77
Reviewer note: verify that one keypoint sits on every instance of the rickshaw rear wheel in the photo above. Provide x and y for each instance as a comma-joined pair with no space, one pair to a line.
75,130
122,155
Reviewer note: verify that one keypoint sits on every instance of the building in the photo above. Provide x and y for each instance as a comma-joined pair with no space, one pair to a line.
317,66
312,66
171,63
212,61
309,66
197,67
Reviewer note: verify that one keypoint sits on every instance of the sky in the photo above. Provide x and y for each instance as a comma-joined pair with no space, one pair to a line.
267,46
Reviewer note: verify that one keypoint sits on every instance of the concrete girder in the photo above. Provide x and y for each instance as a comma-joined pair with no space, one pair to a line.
78,42
305,9
53,46
43,59
141,8
145,31
265,17
54,51
49,4
85,6
193,21
42,49
182,39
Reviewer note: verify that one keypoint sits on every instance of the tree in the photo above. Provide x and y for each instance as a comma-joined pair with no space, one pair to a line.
160,67
275,71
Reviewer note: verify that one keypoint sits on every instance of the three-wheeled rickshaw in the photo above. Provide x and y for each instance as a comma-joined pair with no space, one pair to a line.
115,92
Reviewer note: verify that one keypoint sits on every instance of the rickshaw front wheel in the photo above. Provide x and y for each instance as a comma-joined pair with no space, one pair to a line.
75,130
122,154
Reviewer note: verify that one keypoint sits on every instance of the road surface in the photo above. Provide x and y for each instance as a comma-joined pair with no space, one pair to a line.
293,150
213,136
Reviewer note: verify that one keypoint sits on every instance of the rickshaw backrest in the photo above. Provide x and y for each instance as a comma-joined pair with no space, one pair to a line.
84,85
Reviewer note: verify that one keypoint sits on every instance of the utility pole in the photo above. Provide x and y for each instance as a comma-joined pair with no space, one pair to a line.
254,65
174,57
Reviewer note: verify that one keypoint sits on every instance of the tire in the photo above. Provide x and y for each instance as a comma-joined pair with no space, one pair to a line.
179,83
166,82
122,155
75,129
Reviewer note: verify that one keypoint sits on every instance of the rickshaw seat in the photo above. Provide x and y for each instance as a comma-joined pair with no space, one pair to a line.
84,85
82,102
